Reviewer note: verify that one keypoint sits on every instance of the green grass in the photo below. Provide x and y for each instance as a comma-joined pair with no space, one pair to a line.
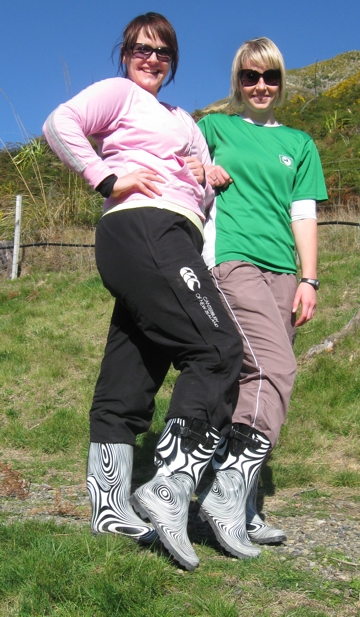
58,570
52,333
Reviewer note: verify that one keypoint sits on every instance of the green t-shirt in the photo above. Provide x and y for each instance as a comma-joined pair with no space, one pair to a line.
270,167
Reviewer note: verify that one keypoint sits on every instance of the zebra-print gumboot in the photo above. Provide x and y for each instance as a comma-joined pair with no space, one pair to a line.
223,504
182,454
108,483
257,530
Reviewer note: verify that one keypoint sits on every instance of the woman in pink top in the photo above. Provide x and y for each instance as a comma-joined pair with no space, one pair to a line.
149,167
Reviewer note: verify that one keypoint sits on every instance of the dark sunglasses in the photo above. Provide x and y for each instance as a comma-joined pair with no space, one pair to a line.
271,77
164,54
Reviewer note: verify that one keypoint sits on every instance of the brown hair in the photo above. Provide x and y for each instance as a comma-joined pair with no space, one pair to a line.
263,52
153,24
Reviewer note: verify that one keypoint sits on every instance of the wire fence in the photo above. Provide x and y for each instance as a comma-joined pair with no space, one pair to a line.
71,247
59,248
65,256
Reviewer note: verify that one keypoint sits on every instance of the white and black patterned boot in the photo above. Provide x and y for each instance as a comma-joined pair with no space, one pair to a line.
109,483
223,504
182,454
257,530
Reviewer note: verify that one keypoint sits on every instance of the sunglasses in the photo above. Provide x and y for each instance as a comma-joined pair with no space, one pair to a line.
164,54
271,77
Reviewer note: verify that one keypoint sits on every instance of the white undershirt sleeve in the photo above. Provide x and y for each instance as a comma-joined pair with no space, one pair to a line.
303,209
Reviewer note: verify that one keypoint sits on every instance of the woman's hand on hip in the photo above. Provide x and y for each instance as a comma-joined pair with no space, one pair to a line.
141,180
306,298
197,168
217,177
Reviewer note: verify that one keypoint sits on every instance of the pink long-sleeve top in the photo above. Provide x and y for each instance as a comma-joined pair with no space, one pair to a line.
131,130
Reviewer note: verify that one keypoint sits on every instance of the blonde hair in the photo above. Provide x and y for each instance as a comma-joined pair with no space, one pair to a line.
262,52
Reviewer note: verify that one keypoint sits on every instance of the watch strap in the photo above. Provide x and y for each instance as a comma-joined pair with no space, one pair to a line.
313,282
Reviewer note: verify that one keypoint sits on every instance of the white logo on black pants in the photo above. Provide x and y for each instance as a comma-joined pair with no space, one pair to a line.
190,278
193,283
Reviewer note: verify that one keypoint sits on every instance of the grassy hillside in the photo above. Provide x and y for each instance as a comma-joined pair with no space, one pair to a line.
53,196
321,76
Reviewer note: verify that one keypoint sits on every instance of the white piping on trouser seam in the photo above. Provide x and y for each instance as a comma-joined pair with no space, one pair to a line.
248,344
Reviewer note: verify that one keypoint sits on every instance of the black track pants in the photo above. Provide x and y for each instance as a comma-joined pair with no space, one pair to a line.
167,310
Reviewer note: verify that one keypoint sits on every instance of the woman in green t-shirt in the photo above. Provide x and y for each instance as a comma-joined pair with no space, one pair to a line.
269,178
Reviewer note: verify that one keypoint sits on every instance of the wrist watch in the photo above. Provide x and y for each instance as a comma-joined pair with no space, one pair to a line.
313,282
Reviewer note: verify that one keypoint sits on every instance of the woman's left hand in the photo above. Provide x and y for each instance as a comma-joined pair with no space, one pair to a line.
306,297
196,167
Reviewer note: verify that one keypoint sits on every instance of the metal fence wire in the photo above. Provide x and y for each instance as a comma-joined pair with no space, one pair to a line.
71,248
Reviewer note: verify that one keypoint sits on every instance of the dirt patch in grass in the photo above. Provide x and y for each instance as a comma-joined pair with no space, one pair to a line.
12,484
47,468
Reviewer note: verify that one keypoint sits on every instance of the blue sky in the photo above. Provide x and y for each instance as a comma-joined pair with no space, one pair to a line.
52,49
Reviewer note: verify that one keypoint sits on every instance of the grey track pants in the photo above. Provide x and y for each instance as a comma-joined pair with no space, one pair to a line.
260,303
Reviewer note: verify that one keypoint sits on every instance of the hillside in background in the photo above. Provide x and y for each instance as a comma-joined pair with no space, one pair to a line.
321,76
308,81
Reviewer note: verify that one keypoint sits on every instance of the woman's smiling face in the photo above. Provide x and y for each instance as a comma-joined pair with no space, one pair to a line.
260,99
148,73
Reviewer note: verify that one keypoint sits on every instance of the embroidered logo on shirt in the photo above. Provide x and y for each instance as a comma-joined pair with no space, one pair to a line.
286,160
190,278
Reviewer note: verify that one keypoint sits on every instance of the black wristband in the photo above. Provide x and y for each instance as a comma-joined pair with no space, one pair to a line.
106,186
